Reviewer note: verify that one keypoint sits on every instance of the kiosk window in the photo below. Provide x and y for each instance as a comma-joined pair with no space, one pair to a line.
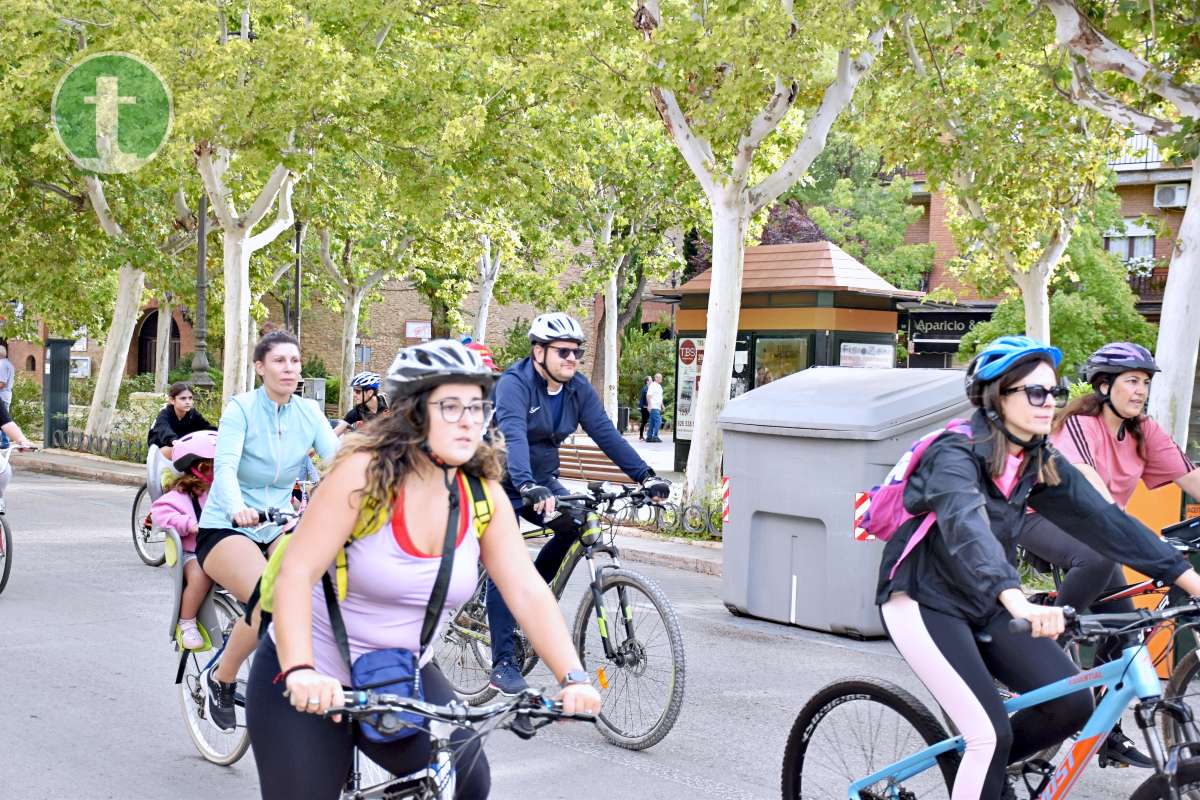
775,358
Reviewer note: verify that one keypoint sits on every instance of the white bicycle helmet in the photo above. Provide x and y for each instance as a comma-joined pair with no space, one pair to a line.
365,380
435,362
556,327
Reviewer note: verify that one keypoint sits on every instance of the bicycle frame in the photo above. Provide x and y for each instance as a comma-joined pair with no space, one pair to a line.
1130,680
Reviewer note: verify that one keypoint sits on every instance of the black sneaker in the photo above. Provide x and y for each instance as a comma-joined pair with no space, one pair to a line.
507,679
1119,750
221,708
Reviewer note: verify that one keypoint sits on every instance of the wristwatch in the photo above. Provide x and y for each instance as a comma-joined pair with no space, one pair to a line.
574,678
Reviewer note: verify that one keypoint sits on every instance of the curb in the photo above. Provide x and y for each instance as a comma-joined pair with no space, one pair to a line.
81,472
703,566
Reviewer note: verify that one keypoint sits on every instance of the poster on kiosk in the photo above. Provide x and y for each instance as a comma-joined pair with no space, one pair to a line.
690,357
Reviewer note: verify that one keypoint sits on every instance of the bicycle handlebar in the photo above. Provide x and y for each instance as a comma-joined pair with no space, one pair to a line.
1082,626
529,704
276,515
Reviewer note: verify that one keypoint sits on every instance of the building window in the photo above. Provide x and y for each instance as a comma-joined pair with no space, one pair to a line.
1134,245
31,364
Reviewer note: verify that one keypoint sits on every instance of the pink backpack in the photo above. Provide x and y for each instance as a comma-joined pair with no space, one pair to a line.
886,512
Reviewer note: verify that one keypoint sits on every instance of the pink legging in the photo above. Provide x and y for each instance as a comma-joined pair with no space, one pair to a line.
958,671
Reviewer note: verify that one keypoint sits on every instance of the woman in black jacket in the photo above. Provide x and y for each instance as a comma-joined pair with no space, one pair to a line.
961,580
177,419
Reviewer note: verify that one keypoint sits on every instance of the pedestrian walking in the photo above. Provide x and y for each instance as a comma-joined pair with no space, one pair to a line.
7,377
654,402
643,409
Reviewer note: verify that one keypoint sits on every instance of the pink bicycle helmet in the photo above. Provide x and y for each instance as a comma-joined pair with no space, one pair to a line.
192,448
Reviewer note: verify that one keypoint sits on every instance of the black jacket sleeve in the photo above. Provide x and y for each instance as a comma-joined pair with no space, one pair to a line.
948,482
1075,506
162,433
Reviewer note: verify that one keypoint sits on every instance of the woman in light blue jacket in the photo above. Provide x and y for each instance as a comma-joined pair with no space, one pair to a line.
263,441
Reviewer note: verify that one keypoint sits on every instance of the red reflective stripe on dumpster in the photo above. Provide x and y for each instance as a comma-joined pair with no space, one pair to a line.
862,501
725,499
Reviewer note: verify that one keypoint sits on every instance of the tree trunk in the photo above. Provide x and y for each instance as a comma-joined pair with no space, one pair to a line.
440,318
130,283
1178,332
730,214
611,333
597,376
162,346
235,354
1035,287
489,270
351,308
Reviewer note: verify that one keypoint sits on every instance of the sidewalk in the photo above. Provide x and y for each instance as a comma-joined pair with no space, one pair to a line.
635,545
83,466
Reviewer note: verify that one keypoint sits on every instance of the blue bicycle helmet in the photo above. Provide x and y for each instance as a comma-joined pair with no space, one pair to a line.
998,356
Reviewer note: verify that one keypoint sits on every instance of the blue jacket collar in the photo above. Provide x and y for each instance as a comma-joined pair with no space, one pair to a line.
530,374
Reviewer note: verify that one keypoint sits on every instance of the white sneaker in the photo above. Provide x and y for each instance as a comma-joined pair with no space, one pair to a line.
190,634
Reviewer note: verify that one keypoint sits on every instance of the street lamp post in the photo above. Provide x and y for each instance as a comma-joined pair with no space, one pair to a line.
296,290
200,376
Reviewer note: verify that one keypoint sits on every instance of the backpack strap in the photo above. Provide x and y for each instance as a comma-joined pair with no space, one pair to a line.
958,426
437,597
479,500
196,506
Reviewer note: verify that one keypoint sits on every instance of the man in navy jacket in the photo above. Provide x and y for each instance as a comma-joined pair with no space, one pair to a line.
540,401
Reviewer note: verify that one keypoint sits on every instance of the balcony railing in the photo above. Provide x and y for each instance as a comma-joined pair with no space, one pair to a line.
1149,288
1140,153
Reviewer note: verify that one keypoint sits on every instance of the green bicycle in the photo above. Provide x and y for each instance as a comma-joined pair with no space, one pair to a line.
638,663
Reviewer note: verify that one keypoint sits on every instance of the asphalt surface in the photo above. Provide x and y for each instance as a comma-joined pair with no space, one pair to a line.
90,709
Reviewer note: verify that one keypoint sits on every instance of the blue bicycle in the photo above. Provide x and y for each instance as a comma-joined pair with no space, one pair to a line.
868,739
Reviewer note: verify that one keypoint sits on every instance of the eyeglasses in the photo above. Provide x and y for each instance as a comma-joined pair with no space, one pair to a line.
1036,395
566,352
453,410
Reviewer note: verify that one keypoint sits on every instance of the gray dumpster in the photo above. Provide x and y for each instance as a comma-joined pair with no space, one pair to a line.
797,453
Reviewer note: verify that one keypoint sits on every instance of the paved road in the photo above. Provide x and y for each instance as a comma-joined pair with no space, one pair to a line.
90,710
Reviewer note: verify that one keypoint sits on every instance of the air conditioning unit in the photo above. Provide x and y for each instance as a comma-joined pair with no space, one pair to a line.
1170,195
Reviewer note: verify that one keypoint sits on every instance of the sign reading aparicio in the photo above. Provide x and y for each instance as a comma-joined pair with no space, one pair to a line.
944,325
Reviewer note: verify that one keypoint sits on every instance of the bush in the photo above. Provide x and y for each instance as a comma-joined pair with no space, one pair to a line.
333,391
314,368
26,409
644,354
515,345
183,372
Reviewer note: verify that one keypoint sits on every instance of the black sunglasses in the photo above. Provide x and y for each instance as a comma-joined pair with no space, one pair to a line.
1036,395
566,352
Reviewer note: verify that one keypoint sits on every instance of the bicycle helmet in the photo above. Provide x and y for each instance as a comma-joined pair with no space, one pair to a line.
1117,357
998,356
194,447
485,355
431,363
365,380
1110,361
556,327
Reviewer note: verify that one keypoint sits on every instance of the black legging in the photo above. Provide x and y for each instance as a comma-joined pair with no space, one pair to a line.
958,668
304,755
1089,575
644,413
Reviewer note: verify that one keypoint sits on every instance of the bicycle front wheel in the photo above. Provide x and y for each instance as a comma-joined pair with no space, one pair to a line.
216,745
464,653
852,729
149,542
1184,685
5,552
641,684
1187,778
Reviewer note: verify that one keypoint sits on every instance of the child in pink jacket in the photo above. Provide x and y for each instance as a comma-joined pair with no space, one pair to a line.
179,509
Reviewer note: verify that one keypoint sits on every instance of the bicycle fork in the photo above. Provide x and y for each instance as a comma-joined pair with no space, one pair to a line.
1166,763
589,539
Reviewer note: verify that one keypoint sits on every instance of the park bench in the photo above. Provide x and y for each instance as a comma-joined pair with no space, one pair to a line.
581,459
